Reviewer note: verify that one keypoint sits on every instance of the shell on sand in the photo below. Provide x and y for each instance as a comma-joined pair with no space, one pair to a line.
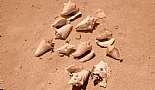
106,35
60,21
87,24
66,49
114,53
73,69
100,73
82,48
69,8
74,16
43,47
88,56
105,43
78,79
63,32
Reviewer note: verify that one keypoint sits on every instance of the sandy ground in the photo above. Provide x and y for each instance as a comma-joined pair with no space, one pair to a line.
23,23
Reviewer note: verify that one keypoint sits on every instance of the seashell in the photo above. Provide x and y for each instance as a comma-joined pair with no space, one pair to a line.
82,49
44,46
63,32
66,49
87,24
69,8
106,35
88,56
114,53
78,79
100,74
73,69
60,21
105,43
74,17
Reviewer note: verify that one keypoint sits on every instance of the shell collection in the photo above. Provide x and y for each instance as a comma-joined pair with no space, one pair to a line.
62,26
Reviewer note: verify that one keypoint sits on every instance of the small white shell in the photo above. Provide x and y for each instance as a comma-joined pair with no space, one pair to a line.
43,47
63,32
88,56
87,24
78,79
66,49
101,73
114,53
105,43
60,21
69,8
82,48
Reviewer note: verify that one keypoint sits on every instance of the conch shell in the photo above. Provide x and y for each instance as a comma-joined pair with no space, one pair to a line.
114,53
106,35
87,24
78,76
100,74
105,43
44,46
82,49
63,32
66,49
88,56
69,8
60,21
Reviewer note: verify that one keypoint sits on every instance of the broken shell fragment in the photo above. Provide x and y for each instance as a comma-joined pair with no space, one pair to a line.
87,24
114,53
105,43
78,79
100,74
74,16
82,49
60,21
69,8
88,56
73,69
66,49
44,46
63,32
106,35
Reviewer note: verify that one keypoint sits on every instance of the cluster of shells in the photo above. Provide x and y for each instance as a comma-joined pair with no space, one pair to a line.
63,27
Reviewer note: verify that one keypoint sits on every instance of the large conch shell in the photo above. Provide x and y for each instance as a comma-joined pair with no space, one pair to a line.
60,21
87,24
88,56
105,43
100,74
113,52
106,35
66,49
78,76
63,32
44,46
69,8
82,48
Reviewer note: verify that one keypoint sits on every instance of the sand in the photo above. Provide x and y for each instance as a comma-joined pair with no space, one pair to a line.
23,23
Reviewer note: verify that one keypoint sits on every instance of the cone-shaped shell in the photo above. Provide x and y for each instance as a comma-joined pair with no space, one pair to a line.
69,8
66,49
114,53
82,49
88,56
105,43
43,47
79,78
60,21
87,24
106,35
73,69
101,73
63,32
